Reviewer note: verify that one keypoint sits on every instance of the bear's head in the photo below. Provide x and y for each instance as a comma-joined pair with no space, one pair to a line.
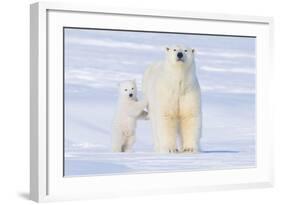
128,89
180,56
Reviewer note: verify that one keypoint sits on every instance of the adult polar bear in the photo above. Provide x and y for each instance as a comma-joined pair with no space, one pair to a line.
174,101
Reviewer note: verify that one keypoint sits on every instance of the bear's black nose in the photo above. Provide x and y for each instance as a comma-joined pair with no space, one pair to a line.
180,55
130,95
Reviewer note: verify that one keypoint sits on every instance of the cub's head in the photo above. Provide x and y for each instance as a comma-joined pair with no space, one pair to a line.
128,89
177,55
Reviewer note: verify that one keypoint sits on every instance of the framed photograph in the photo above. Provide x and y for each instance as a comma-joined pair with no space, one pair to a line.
130,102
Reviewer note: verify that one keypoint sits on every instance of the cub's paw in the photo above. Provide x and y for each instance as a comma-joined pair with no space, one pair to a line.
144,115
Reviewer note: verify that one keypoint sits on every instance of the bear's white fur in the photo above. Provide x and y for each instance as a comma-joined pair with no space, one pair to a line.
129,109
174,101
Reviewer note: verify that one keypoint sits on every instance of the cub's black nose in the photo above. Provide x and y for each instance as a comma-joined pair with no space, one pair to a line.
180,55
130,95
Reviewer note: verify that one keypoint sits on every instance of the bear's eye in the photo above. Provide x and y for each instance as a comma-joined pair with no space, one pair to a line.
126,90
132,88
185,50
175,49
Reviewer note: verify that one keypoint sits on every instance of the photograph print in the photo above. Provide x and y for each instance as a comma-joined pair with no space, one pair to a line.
151,102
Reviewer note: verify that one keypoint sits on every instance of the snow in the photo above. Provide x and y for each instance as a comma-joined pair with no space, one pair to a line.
96,60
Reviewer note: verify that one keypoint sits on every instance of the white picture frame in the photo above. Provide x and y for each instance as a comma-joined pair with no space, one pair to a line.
46,179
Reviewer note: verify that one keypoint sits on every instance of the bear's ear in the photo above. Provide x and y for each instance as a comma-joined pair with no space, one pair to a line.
193,50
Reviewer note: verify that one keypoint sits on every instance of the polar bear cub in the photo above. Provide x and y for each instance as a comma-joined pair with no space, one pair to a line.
174,101
129,109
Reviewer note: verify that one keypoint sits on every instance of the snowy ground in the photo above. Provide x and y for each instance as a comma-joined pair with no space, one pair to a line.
95,61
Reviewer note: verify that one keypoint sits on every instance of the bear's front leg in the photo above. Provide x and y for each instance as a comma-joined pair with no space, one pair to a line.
128,146
118,140
167,132
190,128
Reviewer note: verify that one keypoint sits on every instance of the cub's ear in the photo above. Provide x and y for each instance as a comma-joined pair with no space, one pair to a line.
193,50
